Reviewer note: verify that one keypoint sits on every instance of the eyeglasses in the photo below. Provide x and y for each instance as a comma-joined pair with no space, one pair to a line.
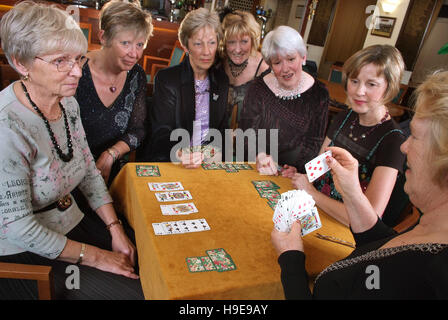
65,65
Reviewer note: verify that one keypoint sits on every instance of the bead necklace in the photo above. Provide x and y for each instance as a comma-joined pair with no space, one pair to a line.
64,157
365,134
287,94
237,69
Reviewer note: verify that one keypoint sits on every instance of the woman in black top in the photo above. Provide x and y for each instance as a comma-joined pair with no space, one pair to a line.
191,96
112,91
387,265
288,101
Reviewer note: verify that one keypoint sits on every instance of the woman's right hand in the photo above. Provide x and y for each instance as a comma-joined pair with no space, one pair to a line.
114,262
344,168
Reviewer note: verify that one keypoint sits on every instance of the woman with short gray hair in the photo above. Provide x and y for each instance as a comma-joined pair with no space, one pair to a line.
44,156
193,91
287,99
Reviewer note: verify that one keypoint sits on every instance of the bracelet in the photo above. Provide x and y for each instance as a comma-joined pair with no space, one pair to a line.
113,153
81,254
110,225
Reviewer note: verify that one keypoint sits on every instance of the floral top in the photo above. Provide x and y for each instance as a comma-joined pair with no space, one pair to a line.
32,176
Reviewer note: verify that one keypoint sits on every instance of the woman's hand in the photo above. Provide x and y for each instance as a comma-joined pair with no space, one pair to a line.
288,171
266,165
191,160
300,181
283,241
110,261
104,165
122,244
344,168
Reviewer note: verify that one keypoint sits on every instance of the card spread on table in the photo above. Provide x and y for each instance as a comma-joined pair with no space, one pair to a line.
165,186
200,264
317,167
182,226
268,190
296,205
147,171
173,196
178,209
221,259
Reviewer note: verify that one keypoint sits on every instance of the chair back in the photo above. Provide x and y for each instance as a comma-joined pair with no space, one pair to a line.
335,74
399,97
86,28
177,55
7,75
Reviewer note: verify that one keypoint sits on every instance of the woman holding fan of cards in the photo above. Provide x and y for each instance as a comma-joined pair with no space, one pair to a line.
44,156
288,100
385,264
372,79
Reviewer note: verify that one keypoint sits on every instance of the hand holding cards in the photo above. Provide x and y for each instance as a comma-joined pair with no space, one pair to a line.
296,205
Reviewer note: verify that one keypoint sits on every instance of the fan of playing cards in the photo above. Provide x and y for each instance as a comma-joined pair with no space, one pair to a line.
296,205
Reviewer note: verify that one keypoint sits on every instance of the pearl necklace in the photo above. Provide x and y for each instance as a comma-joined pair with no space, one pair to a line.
284,94
64,157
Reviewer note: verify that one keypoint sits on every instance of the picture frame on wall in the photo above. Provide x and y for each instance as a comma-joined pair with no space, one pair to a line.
383,26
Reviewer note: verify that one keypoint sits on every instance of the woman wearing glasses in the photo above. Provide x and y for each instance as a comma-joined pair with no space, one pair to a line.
44,156
112,91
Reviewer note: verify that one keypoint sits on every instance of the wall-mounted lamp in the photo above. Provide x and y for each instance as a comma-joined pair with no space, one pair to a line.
312,6
389,6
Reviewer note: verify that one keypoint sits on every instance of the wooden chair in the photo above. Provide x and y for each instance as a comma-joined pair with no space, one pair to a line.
335,73
399,98
86,28
42,274
408,218
176,57
7,75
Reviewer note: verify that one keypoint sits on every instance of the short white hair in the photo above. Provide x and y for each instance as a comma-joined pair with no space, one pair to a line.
282,41
32,29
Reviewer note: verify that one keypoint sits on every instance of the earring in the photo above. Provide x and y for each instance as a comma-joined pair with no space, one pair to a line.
303,63
25,77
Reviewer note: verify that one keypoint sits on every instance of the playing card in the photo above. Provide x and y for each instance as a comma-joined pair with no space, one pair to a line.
221,260
178,209
195,264
173,196
182,226
147,171
207,263
264,184
165,186
296,205
317,167
242,166
310,221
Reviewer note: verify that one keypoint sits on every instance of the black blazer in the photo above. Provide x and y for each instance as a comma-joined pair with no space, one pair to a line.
173,106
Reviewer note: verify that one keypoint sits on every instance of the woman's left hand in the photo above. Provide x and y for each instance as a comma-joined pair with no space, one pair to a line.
104,165
300,181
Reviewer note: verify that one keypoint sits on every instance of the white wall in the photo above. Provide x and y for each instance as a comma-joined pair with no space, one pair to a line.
399,13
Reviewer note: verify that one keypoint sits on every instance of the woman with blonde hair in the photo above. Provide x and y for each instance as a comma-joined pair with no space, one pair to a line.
371,79
242,60
112,91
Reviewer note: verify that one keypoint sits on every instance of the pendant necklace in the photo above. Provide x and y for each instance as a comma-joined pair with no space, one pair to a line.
64,157
365,134
237,69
